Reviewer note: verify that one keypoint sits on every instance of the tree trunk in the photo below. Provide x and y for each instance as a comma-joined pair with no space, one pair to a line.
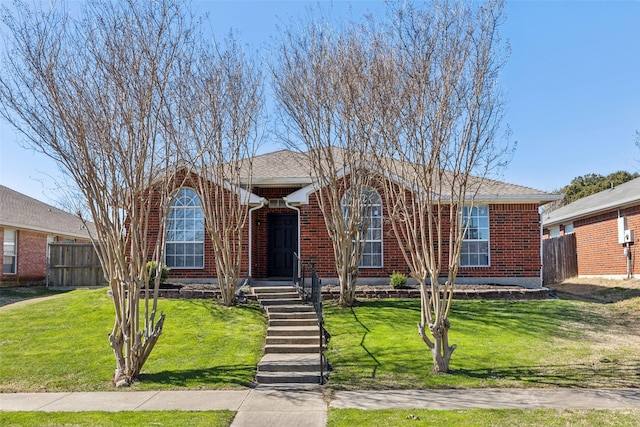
132,348
347,290
440,349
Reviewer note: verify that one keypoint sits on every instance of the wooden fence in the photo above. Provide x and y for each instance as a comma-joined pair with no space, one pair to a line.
559,259
73,265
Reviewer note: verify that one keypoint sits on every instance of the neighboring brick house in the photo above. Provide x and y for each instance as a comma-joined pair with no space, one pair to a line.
285,218
599,222
27,226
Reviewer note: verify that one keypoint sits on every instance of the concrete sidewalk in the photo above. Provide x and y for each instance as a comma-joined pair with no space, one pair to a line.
260,406
306,407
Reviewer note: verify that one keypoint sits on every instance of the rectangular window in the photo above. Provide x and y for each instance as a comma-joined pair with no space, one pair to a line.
10,247
372,253
554,231
568,228
475,246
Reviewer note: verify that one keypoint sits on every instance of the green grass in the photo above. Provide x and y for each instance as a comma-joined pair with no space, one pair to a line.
483,417
17,293
500,344
118,419
61,344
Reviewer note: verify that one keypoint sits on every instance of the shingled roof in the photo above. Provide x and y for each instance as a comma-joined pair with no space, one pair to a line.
289,168
23,212
623,195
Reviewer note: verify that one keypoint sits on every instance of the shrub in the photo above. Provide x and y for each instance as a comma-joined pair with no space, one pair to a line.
398,280
152,267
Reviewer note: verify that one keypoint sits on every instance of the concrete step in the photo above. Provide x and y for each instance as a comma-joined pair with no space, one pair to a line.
291,348
293,322
279,295
288,377
289,362
291,308
294,330
304,315
294,340
272,289
280,301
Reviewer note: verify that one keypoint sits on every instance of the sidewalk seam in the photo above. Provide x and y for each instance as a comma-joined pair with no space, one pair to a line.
244,399
146,401
54,401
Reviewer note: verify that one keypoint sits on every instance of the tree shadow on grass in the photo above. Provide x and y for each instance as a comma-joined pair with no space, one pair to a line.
594,293
606,373
217,309
528,317
215,376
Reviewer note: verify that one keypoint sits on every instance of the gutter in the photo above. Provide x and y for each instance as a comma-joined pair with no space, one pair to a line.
255,208
286,202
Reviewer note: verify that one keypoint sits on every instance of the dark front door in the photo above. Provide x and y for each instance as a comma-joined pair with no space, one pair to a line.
282,243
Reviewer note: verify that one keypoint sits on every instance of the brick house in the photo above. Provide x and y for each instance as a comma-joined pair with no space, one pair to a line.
285,219
27,226
599,223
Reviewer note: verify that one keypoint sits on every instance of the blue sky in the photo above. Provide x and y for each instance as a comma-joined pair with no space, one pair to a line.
572,83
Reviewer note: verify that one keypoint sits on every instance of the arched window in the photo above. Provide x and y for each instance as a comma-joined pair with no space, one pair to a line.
185,231
371,206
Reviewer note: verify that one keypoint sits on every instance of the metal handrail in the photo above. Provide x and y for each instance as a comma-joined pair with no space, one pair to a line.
313,294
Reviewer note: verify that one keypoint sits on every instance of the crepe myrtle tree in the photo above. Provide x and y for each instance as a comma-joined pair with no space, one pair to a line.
439,114
93,91
222,101
323,81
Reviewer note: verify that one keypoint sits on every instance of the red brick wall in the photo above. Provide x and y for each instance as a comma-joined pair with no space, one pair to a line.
514,231
209,270
599,253
316,246
31,257
514,238
514,243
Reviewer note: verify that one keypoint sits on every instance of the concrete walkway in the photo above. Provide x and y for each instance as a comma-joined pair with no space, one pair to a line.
306,407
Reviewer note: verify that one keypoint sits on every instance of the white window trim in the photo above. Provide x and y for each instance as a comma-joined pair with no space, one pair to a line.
381,240
177,241
15,251
488,240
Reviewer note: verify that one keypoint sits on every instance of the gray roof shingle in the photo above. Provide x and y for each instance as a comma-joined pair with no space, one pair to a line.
285,167
617,197
20,211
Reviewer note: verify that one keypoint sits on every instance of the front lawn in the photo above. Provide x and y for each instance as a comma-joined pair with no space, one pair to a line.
117,419
545,343
61,344
483,418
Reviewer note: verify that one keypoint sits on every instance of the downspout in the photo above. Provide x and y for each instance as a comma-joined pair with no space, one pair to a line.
255,208
286,203
541,213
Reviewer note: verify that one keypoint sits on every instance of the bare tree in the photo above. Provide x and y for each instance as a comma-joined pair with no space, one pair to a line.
322,81
222,100
440,141
94,94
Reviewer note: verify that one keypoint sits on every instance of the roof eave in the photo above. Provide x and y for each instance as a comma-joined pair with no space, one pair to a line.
572,216
279,182
66,233
539,199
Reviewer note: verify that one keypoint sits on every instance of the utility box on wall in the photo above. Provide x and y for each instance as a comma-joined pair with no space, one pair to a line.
628,236
622,227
